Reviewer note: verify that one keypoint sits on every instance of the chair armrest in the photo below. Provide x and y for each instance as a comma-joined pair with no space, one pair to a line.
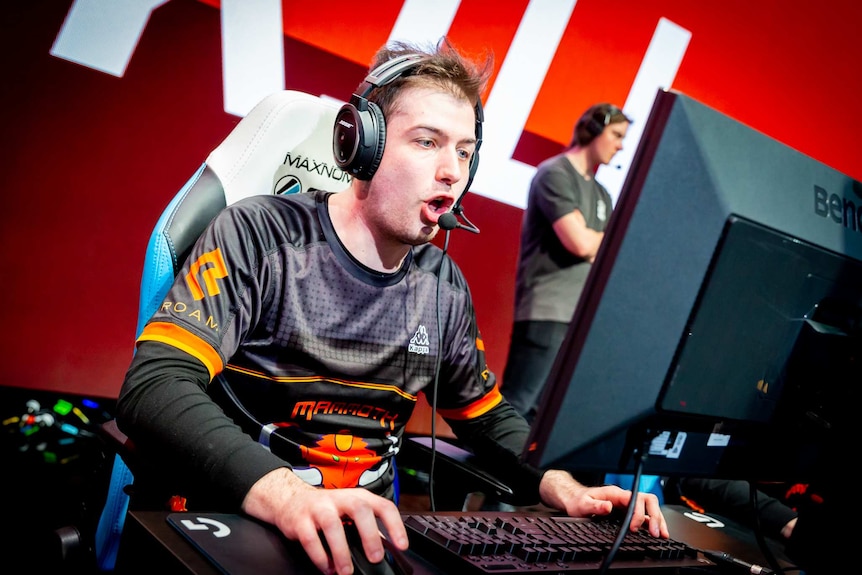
116,439
457,471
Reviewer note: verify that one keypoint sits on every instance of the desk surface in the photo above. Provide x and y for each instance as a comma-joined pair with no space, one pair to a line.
149,540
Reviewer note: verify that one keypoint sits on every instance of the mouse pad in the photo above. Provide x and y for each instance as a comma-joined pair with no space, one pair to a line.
239,545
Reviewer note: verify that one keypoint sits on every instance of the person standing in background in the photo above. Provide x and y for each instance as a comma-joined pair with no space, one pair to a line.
562,229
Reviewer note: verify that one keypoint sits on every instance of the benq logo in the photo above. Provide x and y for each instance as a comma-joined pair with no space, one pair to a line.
839,210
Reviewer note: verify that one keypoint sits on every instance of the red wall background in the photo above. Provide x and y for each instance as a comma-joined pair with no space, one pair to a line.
89,160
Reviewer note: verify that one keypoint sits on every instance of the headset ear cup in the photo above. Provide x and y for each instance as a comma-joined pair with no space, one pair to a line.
594,127
346,137
377,133
358,138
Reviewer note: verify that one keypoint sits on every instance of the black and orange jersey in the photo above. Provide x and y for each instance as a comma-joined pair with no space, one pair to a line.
322,352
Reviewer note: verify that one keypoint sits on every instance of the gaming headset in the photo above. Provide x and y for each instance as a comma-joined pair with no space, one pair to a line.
597,122
359,135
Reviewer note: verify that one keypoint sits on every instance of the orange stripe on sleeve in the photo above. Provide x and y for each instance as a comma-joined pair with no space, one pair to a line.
180,338
475,409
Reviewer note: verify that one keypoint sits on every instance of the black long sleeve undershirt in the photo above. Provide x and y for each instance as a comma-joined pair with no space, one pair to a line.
732,498
182,438
497,439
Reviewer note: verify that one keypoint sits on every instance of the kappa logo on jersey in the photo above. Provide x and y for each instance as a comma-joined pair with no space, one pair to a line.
419,342
209,267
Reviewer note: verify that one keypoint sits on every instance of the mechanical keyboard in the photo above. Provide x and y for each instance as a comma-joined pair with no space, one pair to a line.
530,542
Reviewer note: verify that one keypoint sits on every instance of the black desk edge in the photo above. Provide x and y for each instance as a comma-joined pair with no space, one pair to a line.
148,540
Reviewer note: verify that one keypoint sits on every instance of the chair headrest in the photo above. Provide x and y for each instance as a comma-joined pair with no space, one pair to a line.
283,145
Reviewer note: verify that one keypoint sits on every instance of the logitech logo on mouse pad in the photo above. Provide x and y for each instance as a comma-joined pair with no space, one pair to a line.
218,528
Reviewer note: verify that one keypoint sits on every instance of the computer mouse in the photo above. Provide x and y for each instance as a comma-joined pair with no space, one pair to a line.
394,562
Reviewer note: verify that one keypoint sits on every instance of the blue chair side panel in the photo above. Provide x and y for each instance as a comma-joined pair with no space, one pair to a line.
156,280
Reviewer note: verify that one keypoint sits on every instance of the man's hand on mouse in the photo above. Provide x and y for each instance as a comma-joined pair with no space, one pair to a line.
305,514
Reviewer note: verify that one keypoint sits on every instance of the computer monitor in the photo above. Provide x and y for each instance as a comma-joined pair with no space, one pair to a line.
720,330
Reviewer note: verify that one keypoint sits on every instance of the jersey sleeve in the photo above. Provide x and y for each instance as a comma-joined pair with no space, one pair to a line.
219,291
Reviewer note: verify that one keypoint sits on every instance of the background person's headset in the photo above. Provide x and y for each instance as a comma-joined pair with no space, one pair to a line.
598,121
359,135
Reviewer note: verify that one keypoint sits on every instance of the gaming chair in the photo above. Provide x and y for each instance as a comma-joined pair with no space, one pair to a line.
283,146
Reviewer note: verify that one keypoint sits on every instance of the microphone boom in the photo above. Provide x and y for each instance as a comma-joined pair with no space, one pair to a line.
449,221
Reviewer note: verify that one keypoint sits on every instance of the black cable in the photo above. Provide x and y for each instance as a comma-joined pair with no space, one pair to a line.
722,558
436,378
630,509
758,532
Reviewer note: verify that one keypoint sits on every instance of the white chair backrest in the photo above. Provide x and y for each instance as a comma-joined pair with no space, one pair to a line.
284,145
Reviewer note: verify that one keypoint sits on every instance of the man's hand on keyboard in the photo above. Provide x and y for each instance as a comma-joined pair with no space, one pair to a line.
560,490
